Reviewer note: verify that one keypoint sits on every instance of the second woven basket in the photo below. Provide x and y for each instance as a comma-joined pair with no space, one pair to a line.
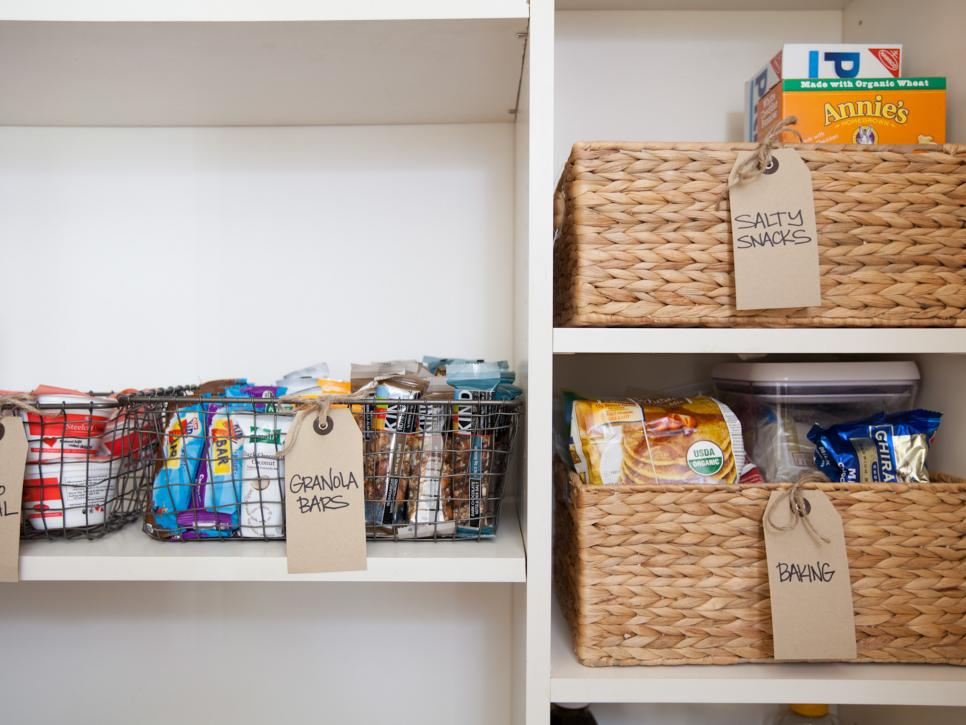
644,238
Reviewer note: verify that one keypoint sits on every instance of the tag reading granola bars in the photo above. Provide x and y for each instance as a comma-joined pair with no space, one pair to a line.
774,235
324,504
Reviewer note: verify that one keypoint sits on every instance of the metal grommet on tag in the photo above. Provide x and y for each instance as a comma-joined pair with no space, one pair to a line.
2,431
806,505
772,166
323,430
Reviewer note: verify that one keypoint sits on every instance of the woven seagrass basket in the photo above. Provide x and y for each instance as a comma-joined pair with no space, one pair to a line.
674,575
643,237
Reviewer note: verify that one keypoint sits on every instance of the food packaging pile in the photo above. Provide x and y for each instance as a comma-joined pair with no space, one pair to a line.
429,459
78,445
786,422
845,93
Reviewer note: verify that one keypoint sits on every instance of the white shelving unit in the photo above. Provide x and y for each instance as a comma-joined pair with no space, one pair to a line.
660,71
211,188
845,684
294,176
883,341
130,555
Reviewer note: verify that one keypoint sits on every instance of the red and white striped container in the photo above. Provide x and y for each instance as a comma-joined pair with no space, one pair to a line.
73,434
69,495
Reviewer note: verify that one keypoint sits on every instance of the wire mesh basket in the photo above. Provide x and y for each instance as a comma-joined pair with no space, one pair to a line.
89,465
433,469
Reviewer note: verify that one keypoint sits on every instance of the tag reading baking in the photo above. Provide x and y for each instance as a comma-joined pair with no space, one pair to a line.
324,498
808,579
13,456
773,235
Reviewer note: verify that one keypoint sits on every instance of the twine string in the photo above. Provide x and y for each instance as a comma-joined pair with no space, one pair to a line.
24,402
320,406
755,165
799,508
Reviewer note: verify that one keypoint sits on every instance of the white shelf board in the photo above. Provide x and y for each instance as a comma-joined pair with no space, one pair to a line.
776,340
721,5
130,555
844,684
257,10
309,73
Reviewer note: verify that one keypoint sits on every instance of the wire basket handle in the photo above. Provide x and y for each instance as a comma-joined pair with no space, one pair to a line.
23,401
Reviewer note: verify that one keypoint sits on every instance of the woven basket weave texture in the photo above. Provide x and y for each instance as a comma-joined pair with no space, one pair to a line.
673,575
644,238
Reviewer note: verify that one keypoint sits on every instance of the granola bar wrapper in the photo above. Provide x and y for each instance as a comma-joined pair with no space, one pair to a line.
425,506
472,443
389,449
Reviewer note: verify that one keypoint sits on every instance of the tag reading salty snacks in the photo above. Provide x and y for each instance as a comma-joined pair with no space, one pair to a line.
774,234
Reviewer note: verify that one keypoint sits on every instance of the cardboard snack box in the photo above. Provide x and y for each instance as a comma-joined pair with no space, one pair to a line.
820,60
879,110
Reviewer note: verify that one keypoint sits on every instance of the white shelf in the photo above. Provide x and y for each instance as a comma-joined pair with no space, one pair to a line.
256,10
844,684
305,73
726,340
717,5
130,555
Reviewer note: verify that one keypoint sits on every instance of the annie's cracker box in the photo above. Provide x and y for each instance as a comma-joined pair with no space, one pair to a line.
859,110
820,60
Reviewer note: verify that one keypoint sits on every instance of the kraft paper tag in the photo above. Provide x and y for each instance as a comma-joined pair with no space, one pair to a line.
774,236
811,593
13,457
325,525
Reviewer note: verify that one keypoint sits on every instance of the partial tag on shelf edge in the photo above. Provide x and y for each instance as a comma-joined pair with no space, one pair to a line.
774,235
812,613
13,459
325,526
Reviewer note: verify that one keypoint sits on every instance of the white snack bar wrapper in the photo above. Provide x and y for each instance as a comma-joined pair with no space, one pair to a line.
263,475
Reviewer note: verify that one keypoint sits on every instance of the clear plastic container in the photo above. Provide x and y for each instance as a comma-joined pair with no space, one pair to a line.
778,403
806,715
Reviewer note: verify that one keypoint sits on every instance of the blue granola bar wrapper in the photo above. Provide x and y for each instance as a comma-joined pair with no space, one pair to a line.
885,448
184,441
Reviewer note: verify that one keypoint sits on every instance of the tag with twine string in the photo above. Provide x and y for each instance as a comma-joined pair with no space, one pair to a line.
13,457
808,577
773,231
325,527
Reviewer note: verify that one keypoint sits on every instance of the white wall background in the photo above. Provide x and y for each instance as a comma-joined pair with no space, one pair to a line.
931,33
255,654
158,256
666,76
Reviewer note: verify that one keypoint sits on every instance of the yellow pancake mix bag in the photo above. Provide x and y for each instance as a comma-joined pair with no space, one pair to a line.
637,442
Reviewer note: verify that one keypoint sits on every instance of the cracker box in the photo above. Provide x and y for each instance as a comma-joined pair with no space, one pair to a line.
859,110
828,60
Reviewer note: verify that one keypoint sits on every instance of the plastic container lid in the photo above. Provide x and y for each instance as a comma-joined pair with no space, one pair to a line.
818,382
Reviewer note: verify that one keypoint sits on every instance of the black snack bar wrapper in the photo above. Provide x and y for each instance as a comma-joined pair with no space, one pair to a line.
390,450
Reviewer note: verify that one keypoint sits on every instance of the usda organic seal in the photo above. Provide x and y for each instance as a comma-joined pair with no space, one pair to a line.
705,458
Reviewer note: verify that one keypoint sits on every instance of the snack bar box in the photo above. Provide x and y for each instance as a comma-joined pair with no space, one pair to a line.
829,60
860,110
